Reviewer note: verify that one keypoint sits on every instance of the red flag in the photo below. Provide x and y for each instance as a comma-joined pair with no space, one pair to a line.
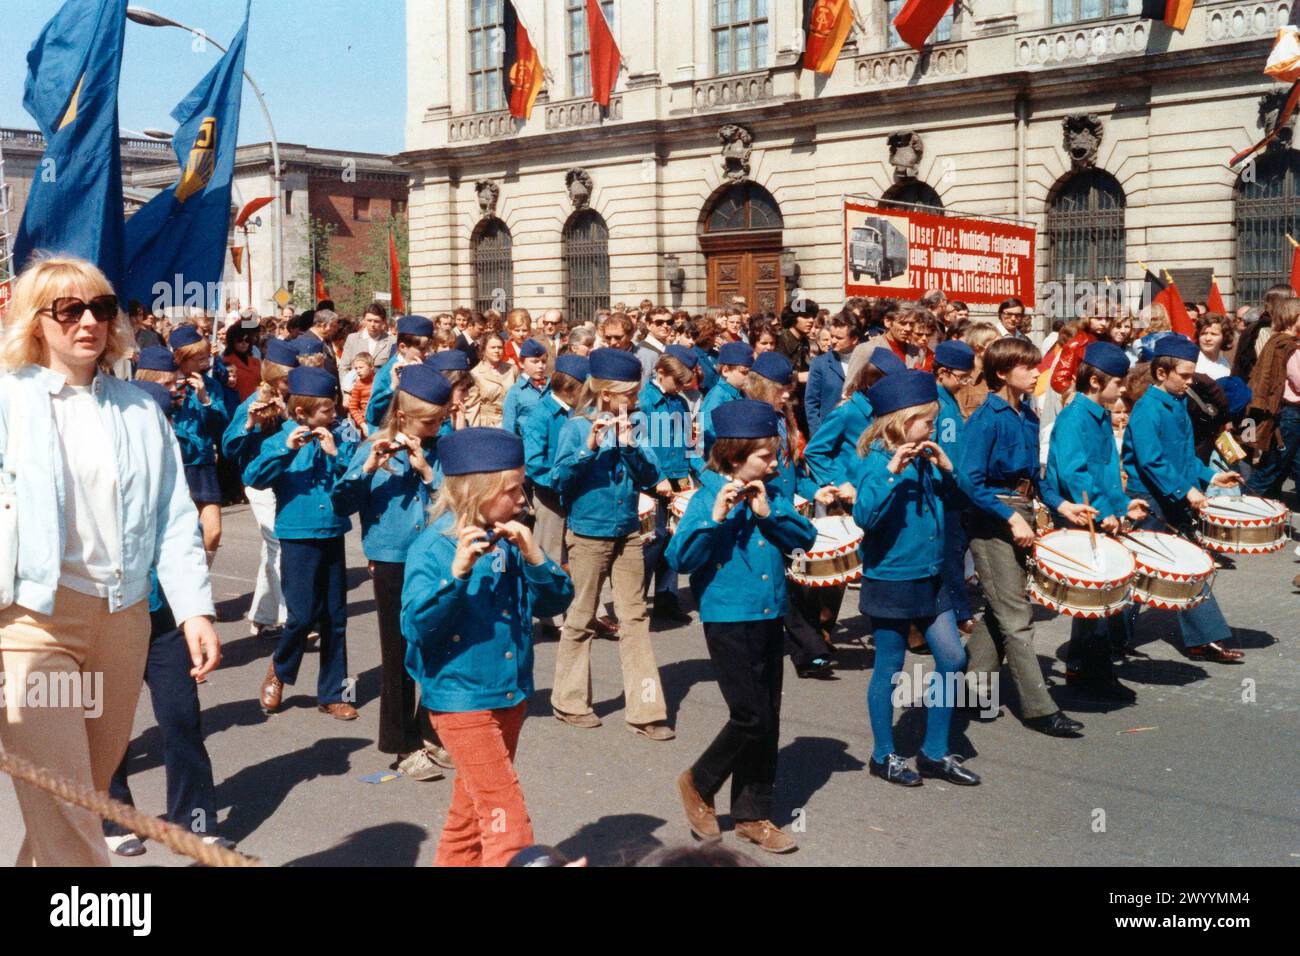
1295,266
251,208
1283,118
521,69
918,18
395,277
1173,303
604,54
321,291
1214,301
237,256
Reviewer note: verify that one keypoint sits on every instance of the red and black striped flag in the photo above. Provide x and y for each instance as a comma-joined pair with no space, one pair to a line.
826,25
521,67
918,18
1172,13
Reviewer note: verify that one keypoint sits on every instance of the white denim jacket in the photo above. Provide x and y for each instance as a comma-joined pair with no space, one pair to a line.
158,521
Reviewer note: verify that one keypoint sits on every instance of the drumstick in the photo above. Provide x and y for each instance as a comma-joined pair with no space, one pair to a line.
1092,531
1064,557
1144,544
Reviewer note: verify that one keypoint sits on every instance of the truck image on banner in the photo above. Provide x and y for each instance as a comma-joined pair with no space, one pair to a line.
903,253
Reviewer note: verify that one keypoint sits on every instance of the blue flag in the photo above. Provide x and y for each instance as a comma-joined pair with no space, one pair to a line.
75,203
176,244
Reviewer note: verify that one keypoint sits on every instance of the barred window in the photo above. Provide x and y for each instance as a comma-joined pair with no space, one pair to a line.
1267,210
579,43
1085,229
494,271
485,49
1070,11
739,36
911,192
942,33
586,266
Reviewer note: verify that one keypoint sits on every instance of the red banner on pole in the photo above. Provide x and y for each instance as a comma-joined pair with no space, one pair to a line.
904,253
395,277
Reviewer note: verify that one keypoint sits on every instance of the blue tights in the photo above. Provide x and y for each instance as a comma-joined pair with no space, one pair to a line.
949,659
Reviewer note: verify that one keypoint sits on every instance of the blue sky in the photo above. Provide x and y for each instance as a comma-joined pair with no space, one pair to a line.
333,71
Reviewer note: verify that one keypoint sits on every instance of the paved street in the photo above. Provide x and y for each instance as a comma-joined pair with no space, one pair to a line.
1190,775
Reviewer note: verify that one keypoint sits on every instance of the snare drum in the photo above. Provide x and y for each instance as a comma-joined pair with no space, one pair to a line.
1172,573
803,506
677,508
1079,584
646,507
1243,525
833,560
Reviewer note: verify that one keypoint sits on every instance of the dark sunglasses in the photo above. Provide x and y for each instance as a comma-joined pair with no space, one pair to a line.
69,311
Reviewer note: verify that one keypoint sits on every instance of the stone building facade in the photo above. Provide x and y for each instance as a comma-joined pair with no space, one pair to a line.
720,166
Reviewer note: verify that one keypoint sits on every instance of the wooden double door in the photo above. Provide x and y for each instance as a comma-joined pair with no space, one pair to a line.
746,267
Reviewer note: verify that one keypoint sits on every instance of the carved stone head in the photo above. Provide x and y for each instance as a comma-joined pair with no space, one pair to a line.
488,192
905,152
1082,138
578,182
736,147
1270,108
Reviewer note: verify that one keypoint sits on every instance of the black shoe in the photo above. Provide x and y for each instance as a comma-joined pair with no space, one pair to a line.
548,632
949,768
823,668
895,770
1055,725
1101,688
666,608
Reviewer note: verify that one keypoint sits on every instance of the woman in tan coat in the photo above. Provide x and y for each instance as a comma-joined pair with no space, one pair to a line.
492,377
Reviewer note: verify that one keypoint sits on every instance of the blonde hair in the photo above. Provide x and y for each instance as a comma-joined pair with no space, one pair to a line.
315,360
763,389
589,397
156,375
46,278
191,352
981,335
463,495
518,318
891,429
411,407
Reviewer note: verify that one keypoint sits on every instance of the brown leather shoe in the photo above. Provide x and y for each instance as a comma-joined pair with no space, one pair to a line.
700,815
655,731
339,711
1216,652
272,691
588,721
607,627
765,835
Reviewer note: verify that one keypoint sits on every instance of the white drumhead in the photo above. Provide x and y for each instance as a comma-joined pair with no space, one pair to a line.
1169,552
645,505
1112,560
1244,506
681,500
833,533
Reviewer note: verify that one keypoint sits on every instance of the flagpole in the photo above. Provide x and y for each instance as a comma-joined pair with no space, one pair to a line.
150,19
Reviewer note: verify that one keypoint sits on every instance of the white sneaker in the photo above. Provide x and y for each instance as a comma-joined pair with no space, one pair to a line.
420,766
126,845
213,840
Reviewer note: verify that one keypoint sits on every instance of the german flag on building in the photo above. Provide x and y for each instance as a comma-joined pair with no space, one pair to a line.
1172,13
521,67
826,26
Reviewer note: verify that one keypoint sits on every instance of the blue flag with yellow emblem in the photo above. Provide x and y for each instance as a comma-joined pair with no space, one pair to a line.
75,203
179,237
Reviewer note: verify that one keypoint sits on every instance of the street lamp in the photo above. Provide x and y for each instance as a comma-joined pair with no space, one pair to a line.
150,19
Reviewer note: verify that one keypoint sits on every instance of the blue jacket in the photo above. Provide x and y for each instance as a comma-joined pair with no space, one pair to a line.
599,489
1082,458
949,425
737,567
667,423
157,521
1000,447
823,390
708,368
469,642
792,477
381,393
723,391
239,445
832,454
901,517
541,434
1159,452
303,482
199,427
392,504
523,397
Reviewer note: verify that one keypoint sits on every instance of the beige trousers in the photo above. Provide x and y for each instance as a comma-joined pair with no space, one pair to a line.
548,532
591,562
71,682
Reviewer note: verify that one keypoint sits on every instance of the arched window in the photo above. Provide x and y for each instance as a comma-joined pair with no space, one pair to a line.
914,193
494,271
1085,229
1267,210
743,207
586,266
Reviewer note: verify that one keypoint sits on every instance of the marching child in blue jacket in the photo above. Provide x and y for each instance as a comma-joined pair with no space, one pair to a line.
1082,462
832,453
904,482
735,359
527,392
474,580
414,340
1163,470
541,445
199,422
301,463
453,365
600,470
731,541
391,482
954,362
666,416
